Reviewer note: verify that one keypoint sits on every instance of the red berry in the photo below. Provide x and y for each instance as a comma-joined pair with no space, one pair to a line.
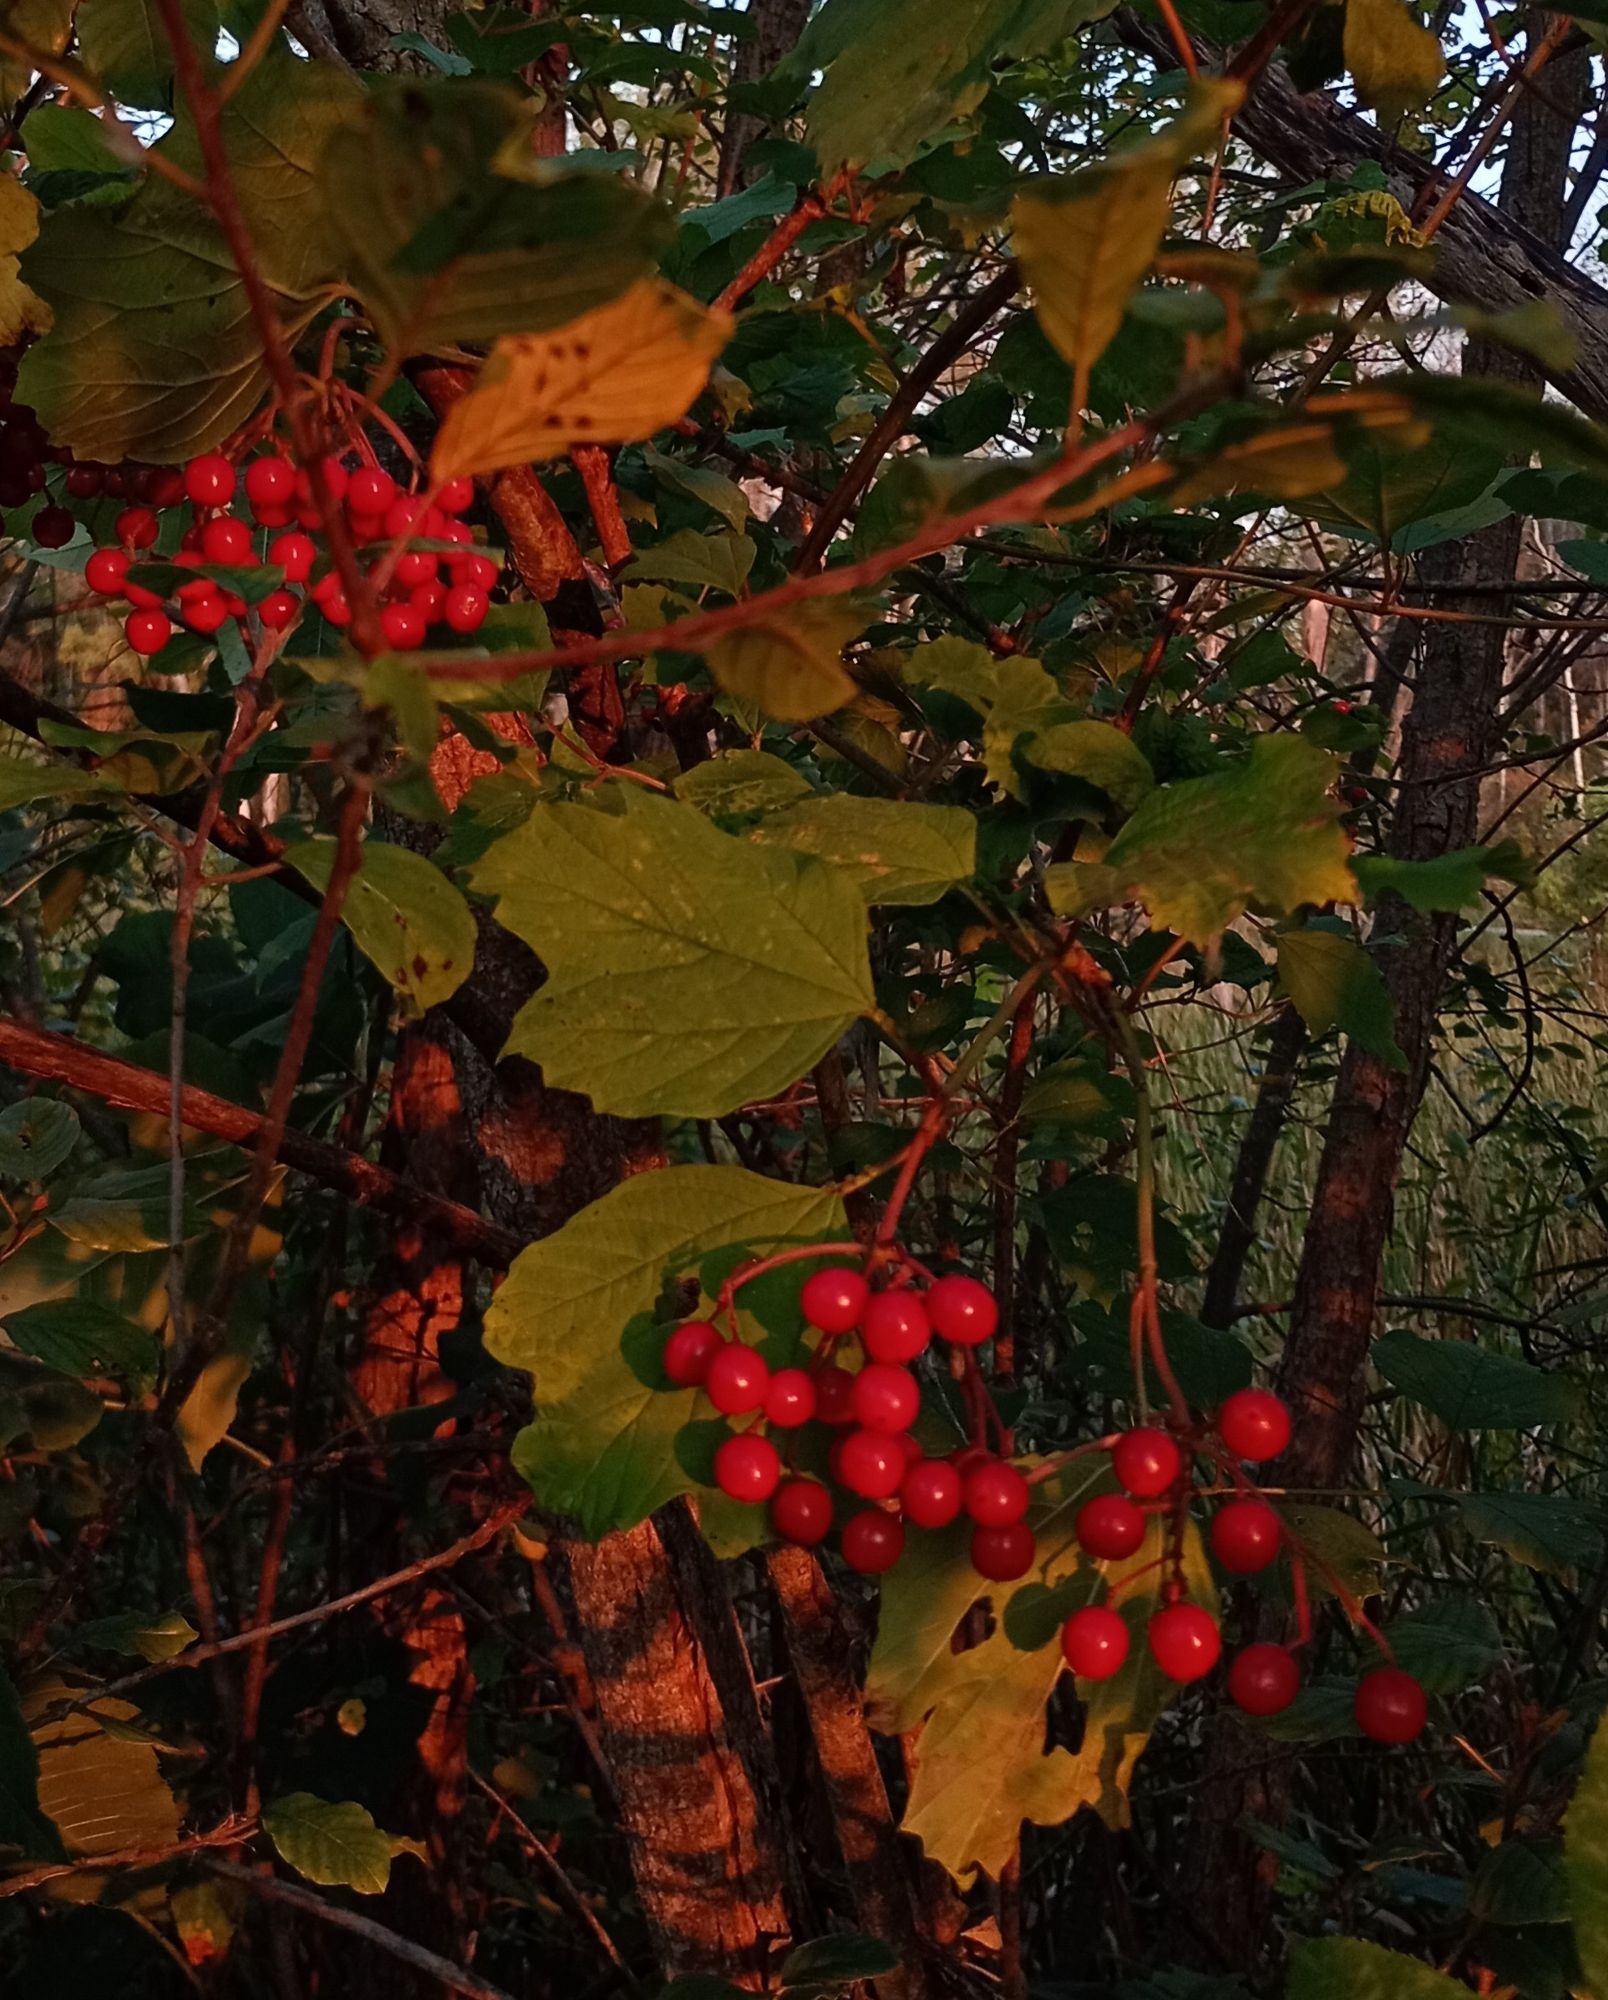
1185,1642
962,1310
885,1399
147,631
996,1494
105,571
226,540
895,1327
270,482
737,1378
1245,1536
1254,1424
790,1399
205,611
472,571
414,567
370,490
404,516
802,1512
403,626
1109,1526
1003,1554
294,553
141,598
210,480
164,486
328,585
872,1541
931,1493
365,527
455,496
135,528
910,1445
1146,1462
1264,1679
871,1464
689,1351
1342,708
832,1298
747,1468
1391,1706
427,599
1094,1642
834,1393
459,533
85,482
279,610
335,608
466,607
335,478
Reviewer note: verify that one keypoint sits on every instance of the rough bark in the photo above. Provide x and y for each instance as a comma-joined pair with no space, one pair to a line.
1286,1046
777,26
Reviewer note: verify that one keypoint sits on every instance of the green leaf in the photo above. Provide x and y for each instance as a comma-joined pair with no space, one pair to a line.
895,852
1345,1545
1585,1860
688,972
404,915
1521,1882
1450,882
1473,1388
603,1445
125,45
1334,983
1448,1645
138,1633
21,783
78,1337
334,1843
702,483
1097,752
23,1827
1389,486
713,562
735,785
1334,1968
36,1136
1264,834
53,1410
1395,62
1545,1531
792,667
836,1961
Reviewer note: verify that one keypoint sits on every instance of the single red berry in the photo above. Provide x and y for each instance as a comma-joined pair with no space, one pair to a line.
53,528
147,631
466,608
832,1298
790,1399
195,586
226,540
737,1378
365,527
801,1512
1342,708
872,1541
931,1493
1146,1462
205,612
415,567
871,1464
335,608
996,1494
370,490
1245,1536
210,480
689,1351
328,585
85,482
403,627
1391,1706
886,1399
135,528
270,482
164,486
895,1327
459,533
962,1310
1003,1554
1109,1527
479,572
1264,1679
404,516
105,571
427,599
279,610
455,496
748,1468
1185,1642
1254,1424
1094,1642
295,554
834,1393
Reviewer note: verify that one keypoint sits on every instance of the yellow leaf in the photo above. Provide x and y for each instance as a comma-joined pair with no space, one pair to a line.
22,310
1395,62
792,669
616,374
19,216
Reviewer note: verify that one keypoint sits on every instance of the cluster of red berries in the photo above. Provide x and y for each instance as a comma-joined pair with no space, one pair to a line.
421,557
877,1460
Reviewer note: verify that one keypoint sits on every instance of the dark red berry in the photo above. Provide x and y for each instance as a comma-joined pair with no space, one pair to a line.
1264,1679
748,1468
834,1393
1254,1425
832,1298
931,1493
164,486
885,1399
1185,1642
1003,1554
1391,1706
1146,1462
872,1464
1109,1527
85,482
801,1512
147,631
872,1541
136,528
790,1399
962,1310
996,1494
895,1327
1094,1642
738,1377
210,480
689,1351
1245,1536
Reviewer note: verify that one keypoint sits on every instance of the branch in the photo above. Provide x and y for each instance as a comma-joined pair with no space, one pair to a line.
228,1834
781,239
64,1059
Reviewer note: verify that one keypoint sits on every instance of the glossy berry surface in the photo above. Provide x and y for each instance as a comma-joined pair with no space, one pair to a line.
790,1399
1245,1536
996,1494
833,1299
1003,1554
962,1310
210,480
1254,1424
748,1468
226,540
737,1380
801,1512
369,492
1094,1642
834,1393
294,553
1391,1707
1264,1679
147,631
895,1326
402,626
279,610
270,482
105,571
1109,1527
872,1464
1184,1642
1146,1462
885,1399
689,1351
465,607
136,528
931,1493
872,1541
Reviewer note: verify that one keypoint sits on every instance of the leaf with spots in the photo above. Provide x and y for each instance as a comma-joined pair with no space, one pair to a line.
404,915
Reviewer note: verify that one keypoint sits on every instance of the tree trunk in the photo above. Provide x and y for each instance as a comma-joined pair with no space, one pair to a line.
777,27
